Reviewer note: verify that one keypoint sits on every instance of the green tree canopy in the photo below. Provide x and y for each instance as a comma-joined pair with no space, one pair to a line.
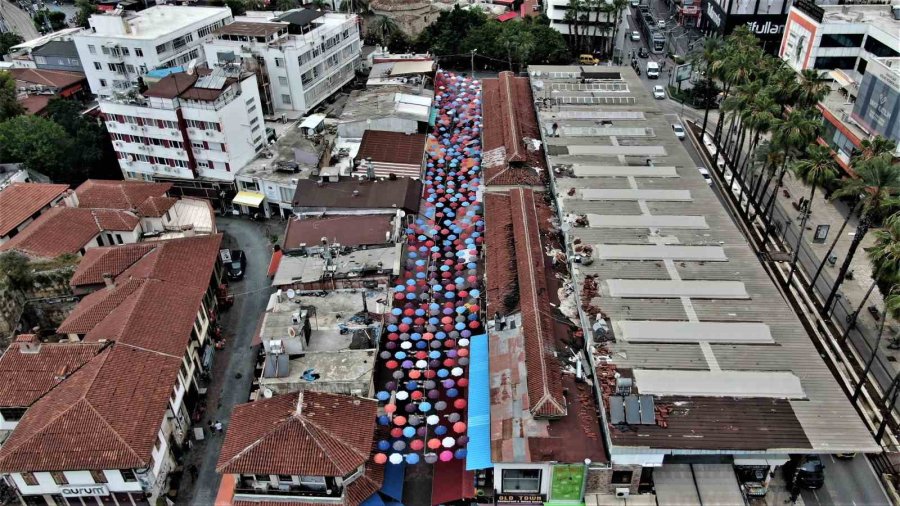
8,40
93,154
9,106
85,9
41,145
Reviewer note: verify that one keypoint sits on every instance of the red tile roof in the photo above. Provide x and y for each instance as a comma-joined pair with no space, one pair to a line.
544,385
19,201
306,433
343,230
26,376
124,195
109,260
392,147
50,78
156,207
106,415
35,104
154,301
500,271
68,229
509,120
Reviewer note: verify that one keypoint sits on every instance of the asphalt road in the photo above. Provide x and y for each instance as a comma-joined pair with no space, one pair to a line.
847,482
17,20
233,367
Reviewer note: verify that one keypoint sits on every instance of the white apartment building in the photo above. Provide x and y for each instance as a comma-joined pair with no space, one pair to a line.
302,56
121,46
202,126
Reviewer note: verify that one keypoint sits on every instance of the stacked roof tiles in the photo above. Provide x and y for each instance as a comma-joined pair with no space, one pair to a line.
20,201
509,123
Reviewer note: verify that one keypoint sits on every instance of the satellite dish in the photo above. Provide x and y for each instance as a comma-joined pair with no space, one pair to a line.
291,293
267,393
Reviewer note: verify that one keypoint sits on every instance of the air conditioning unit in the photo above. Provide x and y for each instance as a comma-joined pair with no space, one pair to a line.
208,133
261,486
622,492
134,127
118,144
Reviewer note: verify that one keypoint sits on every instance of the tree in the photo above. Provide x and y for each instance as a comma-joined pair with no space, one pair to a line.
238,7
712,49
810,89
870,148
286,5
15,266
8,40
41,145
85,10
816,170
9,106
878,180
382,28
93,154
891,304
445,36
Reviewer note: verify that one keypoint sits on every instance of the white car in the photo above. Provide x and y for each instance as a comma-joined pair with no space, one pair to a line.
659,92
679,131
636,36
661,23
706,176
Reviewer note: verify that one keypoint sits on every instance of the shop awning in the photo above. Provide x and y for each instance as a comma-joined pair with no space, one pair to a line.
454,484
392,486
374,500
274,263
507,16
251,199
478,451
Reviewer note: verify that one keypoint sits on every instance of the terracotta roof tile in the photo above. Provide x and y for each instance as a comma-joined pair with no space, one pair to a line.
26,376
401,193
123,195
510,119
500,272
19,201
327,435
544,385
63,230
45,77
111,260
156,207
104,416
392,147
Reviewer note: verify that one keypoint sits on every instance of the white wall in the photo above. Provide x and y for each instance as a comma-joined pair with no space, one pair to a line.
355,129
545,475
46,485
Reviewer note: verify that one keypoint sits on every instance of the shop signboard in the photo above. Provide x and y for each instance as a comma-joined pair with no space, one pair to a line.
683,72
92,490
511,498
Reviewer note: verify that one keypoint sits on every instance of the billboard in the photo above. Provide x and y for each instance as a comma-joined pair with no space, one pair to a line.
877,107
767,23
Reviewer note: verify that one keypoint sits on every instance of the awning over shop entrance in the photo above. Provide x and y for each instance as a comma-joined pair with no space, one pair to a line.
250,199
479,447
678,484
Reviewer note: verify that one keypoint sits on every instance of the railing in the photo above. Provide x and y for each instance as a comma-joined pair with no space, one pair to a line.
291,490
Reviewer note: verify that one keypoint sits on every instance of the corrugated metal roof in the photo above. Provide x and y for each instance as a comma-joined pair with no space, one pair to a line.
478,450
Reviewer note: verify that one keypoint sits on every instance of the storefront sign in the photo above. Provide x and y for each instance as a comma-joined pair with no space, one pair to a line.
810,8
713,15
84,490
521,498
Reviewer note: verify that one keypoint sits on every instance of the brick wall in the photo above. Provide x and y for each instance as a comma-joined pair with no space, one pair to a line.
599,481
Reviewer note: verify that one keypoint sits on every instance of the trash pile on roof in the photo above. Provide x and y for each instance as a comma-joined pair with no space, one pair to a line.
436,309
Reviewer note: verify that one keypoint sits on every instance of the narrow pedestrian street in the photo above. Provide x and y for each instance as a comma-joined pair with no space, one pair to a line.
233,367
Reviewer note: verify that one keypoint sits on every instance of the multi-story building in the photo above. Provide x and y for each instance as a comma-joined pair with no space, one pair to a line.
105,428
302,56
194,128
122,46
839,37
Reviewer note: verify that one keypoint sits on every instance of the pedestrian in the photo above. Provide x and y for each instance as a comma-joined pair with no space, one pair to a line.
218,426
193,472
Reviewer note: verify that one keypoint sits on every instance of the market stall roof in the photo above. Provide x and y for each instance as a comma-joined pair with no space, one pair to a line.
412,67
479,447
251,199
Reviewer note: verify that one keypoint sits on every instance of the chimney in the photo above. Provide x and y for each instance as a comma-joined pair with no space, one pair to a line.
108,281
299,411
28,343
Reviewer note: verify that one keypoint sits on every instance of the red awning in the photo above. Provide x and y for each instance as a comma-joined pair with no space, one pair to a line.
452,482
68,92
507,16
106,7
504,2
276,261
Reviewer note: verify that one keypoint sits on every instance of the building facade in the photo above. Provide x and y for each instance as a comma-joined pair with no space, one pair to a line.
302,57
187,127
122,46
766,19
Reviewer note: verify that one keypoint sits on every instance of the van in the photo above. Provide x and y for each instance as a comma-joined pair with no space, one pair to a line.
652,70
807,470
587,59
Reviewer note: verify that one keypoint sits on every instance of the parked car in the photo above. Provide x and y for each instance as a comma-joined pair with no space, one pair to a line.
679,131
661,23
808,470
706,176
587,59
636,36
659,92
643,53
237,266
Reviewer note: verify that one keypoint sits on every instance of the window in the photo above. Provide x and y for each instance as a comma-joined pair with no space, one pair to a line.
104,49
287,194
40,59
138,51
29,478
286,99
130,68
160,49
875,47
622,477
118,238
128,476
254,120
263,478
197,145
125,51
285,478
59,478
254,129
841,40
521,480
92,49
98,476
12,414
279,62
282,80
97,65
202,164
313,481
103,83
249,185
75,62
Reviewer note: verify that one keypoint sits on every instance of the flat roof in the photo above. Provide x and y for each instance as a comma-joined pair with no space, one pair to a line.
155,22
878,16
778,385
663,291
250,29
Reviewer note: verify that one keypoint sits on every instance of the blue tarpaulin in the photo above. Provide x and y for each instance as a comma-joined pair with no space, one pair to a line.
374,500
392,486
478,451
160,73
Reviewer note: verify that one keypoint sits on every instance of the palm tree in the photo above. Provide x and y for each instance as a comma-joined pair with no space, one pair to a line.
712,50
792,135
869,149
891,304
573,18
770,158
885,257
810,89
759,118
620,6
878,179
383,28
818,169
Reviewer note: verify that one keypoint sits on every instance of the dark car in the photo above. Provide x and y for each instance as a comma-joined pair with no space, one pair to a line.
643,53
808,470
237,266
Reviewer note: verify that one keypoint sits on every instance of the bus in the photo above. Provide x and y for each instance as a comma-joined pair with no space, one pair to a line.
656,40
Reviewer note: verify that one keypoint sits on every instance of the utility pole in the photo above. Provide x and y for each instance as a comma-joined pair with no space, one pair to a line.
473,62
